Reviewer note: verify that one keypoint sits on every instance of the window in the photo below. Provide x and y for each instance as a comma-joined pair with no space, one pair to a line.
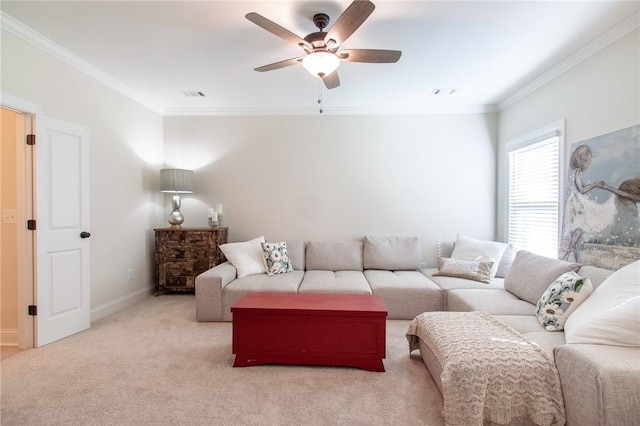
533,193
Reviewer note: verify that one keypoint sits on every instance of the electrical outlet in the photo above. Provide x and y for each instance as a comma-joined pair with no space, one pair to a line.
130,275
10,216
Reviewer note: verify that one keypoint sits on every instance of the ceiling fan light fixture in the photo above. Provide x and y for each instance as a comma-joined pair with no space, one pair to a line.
321,63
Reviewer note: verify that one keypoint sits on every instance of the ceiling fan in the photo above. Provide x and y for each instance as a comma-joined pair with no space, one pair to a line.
322,48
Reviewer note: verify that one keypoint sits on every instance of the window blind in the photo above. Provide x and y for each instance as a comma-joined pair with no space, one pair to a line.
533,196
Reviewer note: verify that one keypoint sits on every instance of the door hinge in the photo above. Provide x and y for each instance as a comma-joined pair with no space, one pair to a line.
33,310
31,224
31,139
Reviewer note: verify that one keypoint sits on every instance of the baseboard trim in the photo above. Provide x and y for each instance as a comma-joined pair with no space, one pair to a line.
120,303
9,337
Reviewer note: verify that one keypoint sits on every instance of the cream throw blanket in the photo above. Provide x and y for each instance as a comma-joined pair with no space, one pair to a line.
490,372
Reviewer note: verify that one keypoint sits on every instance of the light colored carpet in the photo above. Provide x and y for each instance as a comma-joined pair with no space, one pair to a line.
153,364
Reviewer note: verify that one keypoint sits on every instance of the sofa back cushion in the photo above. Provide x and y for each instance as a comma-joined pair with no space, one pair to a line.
392,253
595,274
531,274
334,255
295,251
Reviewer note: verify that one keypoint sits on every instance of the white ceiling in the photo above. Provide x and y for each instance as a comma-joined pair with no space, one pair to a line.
489,51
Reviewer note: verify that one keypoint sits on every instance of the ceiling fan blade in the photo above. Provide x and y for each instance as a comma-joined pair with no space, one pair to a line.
277,30
332,80
349,22
375,56
278,65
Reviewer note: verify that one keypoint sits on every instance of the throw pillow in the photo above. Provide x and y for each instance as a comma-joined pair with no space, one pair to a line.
530,275
461,268
611,315
392,253
506,261
276,258
247,257
562,297
483,250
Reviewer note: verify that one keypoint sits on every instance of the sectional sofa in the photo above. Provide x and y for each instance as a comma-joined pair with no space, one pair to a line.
599,374
600,382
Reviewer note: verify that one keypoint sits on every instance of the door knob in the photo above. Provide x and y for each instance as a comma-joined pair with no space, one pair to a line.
84,234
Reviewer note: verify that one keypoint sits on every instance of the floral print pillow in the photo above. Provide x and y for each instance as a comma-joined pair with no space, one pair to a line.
562,297
276,258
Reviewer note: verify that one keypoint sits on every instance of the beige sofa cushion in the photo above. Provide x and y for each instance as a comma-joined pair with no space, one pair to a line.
392,253
529,327
406,294
334,255
295,251
281,283
530,275
345,282
487,300
546,340
595,274
521,323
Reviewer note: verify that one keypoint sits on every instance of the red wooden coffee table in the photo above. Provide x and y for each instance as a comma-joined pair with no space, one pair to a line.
310,329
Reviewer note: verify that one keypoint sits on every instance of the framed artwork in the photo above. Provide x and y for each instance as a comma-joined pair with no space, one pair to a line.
601,225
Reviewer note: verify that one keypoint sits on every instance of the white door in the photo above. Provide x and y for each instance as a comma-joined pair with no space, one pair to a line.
63,248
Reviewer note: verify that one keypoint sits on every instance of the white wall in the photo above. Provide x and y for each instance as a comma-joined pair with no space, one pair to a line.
340,177
598,96
126,154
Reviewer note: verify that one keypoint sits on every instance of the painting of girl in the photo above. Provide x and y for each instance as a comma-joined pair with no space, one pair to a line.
601,225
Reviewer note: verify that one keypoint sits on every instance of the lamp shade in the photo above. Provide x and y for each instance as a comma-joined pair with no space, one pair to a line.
176,181
321,63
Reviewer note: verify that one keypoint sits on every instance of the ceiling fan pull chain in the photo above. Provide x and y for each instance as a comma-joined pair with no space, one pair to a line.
320,95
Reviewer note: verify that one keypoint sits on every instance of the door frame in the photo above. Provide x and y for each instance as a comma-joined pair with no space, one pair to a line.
25,173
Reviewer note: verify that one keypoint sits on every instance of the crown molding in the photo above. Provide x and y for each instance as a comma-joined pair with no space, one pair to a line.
17,104
329,110
9,23
614,34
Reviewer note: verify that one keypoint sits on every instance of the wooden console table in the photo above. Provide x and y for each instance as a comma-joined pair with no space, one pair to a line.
310,329
184,253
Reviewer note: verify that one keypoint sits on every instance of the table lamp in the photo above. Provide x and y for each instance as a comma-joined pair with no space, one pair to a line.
176,181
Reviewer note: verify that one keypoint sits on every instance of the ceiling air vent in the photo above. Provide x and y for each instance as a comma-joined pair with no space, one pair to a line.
444,91
193,94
